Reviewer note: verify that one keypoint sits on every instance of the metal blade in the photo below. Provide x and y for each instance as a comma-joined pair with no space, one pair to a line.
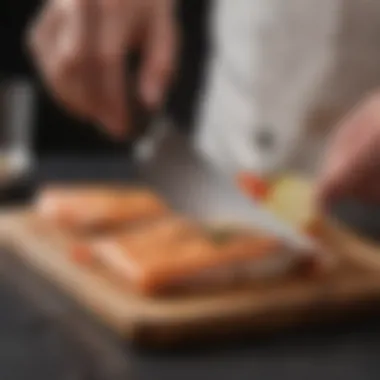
194,187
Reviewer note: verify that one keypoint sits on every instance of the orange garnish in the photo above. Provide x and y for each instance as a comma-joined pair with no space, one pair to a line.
253,186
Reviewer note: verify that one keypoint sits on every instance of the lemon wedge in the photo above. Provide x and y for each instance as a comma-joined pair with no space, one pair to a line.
291,198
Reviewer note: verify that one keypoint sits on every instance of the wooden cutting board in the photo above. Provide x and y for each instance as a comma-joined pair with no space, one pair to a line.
177,319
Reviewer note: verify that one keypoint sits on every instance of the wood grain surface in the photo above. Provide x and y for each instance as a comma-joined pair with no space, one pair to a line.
164,321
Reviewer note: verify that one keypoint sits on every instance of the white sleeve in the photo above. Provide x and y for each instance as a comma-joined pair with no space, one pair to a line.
269,69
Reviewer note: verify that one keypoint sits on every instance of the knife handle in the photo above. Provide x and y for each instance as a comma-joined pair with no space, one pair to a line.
140,117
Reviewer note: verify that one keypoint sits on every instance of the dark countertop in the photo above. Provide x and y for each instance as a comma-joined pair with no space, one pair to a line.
31,347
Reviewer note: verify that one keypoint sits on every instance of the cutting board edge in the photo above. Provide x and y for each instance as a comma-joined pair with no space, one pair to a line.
149,327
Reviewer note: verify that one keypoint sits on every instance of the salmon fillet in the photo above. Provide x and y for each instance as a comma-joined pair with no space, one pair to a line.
174,253
95,208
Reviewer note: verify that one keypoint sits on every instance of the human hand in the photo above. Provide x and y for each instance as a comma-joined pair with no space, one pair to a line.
352,164
79,48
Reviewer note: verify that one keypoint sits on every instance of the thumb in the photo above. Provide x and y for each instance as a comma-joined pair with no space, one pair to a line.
332,185
347,158
344,172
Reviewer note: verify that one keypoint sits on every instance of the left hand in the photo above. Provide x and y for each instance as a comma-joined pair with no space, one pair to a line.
79,48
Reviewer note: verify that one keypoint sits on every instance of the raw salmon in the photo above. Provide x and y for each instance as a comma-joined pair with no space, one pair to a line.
95,208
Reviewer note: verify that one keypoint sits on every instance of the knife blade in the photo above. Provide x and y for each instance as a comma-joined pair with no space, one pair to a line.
195,187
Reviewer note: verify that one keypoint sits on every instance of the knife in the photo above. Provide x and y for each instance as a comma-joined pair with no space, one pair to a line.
169,162
195,187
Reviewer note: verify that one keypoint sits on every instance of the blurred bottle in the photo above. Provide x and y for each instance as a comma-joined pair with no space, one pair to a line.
16,157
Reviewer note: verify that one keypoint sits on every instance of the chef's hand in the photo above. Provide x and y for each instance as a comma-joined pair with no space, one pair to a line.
79,48
352,165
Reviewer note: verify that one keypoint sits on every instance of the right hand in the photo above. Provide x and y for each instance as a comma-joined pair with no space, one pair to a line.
79,48
352,164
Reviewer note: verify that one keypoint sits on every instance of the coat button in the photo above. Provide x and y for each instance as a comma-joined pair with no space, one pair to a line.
264,139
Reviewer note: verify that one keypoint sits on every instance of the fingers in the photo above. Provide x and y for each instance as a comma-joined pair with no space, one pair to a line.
60,45
42,33
351,160
41,37
342,167
114,115
79,48
115,30
74,58
160,55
